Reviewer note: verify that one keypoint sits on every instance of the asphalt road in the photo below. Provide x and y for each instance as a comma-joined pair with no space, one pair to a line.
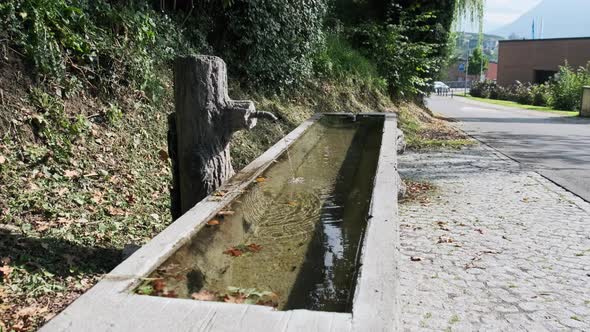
555,146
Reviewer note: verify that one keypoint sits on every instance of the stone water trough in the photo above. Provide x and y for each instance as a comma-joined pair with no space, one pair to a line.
312,221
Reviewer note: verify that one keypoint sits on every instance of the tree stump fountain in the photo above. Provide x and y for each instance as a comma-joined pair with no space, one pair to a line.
205,121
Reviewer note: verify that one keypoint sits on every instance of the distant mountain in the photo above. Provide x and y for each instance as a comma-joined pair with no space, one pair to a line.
561,19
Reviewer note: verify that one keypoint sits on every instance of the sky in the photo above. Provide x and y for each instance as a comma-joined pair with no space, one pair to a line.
501,12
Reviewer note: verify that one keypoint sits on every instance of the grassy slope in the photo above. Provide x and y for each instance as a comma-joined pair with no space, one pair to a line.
521,106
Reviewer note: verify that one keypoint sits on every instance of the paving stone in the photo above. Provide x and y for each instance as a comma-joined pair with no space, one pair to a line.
523,263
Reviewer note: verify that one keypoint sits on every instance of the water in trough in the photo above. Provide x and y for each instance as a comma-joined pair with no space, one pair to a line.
307,233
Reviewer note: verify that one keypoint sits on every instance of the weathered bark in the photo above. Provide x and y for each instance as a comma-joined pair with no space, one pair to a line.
206,118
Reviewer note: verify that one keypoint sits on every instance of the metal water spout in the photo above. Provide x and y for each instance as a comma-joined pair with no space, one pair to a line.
265,115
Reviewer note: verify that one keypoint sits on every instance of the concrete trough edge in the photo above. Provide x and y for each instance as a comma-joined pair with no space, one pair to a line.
110,305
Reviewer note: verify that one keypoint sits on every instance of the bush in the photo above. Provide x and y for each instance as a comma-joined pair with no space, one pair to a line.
526,94
522,93
567,87
273,42
483,89
540,94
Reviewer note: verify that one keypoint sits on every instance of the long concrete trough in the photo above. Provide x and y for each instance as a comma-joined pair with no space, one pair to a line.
112,305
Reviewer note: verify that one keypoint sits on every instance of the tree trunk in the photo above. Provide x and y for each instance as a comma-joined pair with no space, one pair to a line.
206,118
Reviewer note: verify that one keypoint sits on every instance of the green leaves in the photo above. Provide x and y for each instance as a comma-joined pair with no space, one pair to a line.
565,90
273,41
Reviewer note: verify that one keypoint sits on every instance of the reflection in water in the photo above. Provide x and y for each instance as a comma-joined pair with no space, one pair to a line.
310,231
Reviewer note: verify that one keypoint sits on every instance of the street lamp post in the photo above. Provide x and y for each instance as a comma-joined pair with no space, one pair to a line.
467,64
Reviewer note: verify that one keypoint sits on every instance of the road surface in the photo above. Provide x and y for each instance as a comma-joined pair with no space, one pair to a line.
555,146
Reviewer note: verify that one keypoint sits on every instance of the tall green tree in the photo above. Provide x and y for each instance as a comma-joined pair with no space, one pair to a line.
478,63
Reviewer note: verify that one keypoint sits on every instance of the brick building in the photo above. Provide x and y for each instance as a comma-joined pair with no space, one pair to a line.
456,72
536,61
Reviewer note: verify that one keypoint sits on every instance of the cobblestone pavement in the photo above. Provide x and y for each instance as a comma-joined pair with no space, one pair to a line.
494,248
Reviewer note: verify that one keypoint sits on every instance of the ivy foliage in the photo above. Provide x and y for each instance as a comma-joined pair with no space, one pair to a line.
97,44
273,42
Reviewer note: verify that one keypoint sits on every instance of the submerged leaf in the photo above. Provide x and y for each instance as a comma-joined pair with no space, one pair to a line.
253,247
226,213
233,252
159,285
145,289
213,222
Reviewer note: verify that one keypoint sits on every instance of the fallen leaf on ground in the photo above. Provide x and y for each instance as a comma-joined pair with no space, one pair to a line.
130,199
41,226
97,197
70,174
61,192
6,271
292,203
233,252
204,295
443,226
64,221
416,259
163,154
239,299
445,239
31,311
220,193
213,222
113,211
260,179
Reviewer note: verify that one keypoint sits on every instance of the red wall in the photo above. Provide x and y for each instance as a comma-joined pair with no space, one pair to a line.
492,73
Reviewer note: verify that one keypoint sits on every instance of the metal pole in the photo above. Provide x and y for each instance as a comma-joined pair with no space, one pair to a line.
467,65
481,66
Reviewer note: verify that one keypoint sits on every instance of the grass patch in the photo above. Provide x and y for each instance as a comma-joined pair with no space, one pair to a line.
424,131
517,105
454,319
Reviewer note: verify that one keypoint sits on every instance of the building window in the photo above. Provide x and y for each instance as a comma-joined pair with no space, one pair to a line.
542,76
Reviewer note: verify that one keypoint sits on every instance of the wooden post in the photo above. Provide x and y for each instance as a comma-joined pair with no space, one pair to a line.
585,110
206,118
